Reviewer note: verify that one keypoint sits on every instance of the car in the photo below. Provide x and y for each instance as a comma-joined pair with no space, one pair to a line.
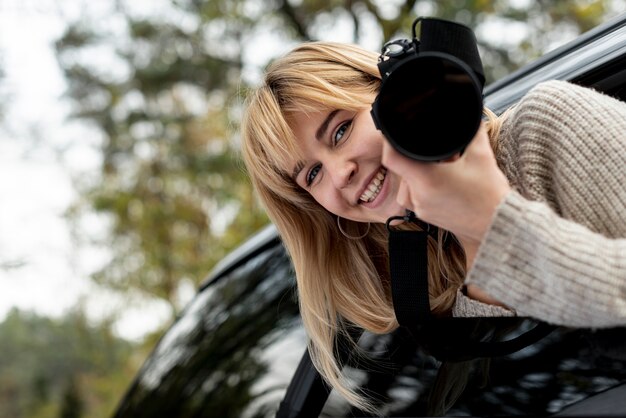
239,348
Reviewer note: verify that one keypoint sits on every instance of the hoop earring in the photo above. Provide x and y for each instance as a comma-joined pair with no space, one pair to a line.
350,236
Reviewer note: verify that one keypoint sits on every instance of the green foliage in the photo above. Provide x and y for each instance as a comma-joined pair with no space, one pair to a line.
168,107
72,405
54,367
168,166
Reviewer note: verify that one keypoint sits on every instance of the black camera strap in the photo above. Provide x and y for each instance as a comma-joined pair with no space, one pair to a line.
408,266
448,339
444,36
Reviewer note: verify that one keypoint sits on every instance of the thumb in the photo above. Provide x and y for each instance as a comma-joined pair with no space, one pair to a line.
395,161
403,197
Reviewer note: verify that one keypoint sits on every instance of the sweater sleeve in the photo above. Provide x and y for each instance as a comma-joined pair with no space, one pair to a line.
556,247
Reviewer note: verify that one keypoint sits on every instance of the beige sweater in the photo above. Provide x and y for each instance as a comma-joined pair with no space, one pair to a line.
556,248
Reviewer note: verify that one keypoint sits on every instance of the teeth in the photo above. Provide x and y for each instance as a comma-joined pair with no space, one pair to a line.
374,187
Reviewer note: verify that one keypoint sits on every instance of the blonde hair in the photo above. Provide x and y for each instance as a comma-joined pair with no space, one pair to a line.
340,281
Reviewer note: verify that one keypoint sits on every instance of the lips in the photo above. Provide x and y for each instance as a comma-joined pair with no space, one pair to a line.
372,189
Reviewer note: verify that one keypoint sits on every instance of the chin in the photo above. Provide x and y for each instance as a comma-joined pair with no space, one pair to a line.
389,213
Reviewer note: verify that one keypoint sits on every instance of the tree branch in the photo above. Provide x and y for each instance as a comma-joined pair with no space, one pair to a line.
292,15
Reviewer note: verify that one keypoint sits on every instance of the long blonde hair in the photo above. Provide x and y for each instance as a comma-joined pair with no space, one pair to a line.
340,281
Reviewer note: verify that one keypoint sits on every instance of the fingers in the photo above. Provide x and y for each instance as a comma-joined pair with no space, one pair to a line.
404,197
480,143
407,171
459,195
397,162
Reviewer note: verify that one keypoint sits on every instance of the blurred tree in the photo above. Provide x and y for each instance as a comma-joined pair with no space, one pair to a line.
169,179
164,89
72,405
3,93
51,367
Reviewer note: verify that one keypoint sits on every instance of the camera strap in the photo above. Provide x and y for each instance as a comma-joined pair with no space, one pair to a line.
444,36
408,266
448,339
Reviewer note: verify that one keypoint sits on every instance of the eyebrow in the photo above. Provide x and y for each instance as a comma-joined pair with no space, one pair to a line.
297,169
321,131
319,134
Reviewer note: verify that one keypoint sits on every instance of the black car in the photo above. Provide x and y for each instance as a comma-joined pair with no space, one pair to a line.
239,348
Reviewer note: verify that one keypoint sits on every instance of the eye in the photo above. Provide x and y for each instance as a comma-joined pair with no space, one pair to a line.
310,176
341,131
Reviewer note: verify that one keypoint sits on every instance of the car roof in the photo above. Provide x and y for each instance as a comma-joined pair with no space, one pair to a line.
261,240
576,61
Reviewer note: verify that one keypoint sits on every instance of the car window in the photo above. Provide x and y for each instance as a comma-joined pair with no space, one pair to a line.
233,350
566,366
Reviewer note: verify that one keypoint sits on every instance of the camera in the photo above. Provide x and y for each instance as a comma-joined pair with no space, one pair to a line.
429,105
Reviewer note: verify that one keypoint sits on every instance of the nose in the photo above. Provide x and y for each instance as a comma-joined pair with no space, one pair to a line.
342,171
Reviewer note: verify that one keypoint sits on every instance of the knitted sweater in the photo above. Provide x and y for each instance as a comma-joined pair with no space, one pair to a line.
556,246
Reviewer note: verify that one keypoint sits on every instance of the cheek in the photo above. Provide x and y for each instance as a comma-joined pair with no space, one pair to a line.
326,199
334,203
375,140
366,135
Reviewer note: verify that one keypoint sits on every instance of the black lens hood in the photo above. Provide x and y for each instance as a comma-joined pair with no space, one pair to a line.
429,105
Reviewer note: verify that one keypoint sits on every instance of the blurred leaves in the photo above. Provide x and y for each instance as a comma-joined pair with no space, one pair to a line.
60,367
170,181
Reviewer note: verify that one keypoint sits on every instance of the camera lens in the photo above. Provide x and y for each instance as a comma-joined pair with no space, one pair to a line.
429,107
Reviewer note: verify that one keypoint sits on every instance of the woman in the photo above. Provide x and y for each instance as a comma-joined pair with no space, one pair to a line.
329,181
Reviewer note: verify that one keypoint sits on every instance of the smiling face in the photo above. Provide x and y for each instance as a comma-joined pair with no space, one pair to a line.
341,168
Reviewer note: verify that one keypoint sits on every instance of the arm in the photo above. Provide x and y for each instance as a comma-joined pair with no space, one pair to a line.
556,248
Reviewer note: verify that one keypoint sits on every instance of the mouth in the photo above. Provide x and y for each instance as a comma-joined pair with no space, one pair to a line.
374,187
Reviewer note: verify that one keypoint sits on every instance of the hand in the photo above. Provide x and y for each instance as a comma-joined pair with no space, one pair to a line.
459,195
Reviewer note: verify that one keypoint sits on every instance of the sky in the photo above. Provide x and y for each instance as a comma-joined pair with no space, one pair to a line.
44,271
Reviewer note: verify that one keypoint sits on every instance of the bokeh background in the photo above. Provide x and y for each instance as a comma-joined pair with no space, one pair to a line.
120,183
